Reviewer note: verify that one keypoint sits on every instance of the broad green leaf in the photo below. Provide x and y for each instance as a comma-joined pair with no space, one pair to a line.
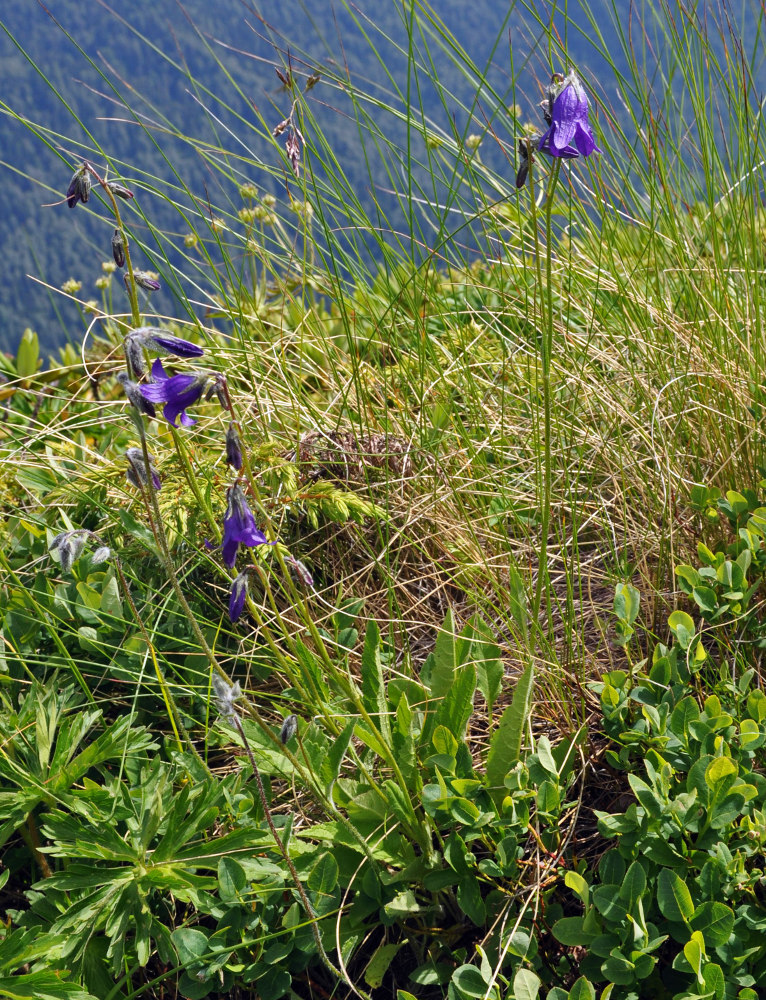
505,744
582,990
627,601
28,354
469,982
715,983
682,627
570,931
232,880
40,986
323,877
526,985
378,965
470,901
673,898
694,953
577,884
715,921
457,705
191,944
445,659
633,886
404,745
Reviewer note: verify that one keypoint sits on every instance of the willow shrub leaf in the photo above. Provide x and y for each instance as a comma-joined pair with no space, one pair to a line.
673,897
505,745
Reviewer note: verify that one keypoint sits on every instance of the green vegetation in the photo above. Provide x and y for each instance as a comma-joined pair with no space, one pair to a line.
427,662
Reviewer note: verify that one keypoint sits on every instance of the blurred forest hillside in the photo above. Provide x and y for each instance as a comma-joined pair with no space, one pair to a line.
158,85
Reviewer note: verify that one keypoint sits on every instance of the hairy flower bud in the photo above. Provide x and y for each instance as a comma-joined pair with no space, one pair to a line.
136,472
238,594
79,186
144,279
233,448
102,553
226,695
300,570
69,545
118,248
119,190
154,338
135,397
289,729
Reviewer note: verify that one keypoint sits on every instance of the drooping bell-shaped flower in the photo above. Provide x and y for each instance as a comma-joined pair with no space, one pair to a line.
569,133
239,527
175,391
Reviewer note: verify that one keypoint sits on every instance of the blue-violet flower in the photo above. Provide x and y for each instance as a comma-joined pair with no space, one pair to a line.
175,391
239,526
568,121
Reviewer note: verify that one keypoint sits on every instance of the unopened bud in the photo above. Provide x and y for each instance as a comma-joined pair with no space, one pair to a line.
289,729
118,248
134,394
136,472
120,190
100,555
233,448
79,186
145,280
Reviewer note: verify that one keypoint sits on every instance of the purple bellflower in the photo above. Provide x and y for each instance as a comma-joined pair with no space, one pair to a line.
175,391
153,338
567,109
233,447
239,526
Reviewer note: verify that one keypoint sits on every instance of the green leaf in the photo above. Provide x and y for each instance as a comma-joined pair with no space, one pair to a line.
192,945
526,985
582,990
570,931
694,952
445,659
373,682
332,762
28,354
378,965
505,745
705,598
470,901
404,744
627,601
323,877
673,898
457,706
469,982
232,880
633,886
682,627
41,986
577,884
715,983
715,921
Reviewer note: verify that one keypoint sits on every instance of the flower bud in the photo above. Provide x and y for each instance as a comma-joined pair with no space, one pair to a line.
225,695
119,190
102,553
135,397
118,248
136,472
69,545
289,729
237,596
145,280
300,570
79,186
233,448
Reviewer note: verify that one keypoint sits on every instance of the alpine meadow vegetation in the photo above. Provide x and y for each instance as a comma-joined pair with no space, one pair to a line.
388,621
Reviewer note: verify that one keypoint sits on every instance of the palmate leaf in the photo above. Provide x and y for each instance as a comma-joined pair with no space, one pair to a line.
505,745
41,986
